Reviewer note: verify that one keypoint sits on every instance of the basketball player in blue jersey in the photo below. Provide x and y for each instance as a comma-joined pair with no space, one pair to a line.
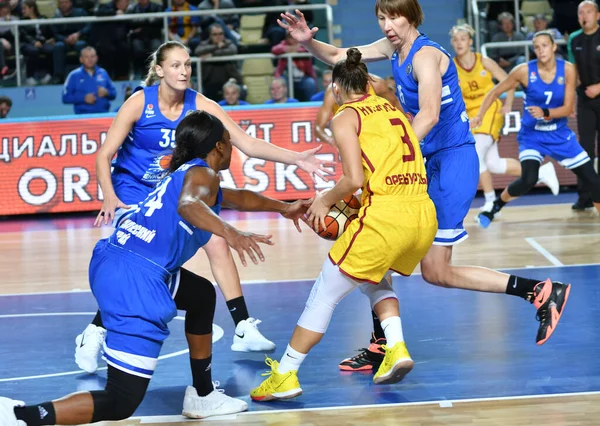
143,137
549,85
130,275
441,124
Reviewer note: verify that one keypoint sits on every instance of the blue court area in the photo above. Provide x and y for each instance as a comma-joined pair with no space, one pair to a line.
465,345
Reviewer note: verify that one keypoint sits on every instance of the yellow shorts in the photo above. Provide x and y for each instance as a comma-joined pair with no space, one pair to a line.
390,233
492,121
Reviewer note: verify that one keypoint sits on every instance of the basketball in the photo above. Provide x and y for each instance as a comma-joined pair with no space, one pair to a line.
339,217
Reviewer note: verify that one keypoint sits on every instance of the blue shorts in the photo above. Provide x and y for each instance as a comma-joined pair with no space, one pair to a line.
136,304
560,144
453,176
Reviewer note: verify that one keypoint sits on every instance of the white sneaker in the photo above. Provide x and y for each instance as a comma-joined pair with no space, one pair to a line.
487,207
547,176
215,403
7,412
248,339
88,346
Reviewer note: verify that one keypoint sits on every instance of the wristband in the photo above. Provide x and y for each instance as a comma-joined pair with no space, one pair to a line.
546,112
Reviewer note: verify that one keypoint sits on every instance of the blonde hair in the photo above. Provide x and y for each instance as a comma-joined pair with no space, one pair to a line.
157,58
464,28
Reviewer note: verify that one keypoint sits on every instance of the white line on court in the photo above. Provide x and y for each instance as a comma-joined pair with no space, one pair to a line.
442,403
568,236
297,280
533,243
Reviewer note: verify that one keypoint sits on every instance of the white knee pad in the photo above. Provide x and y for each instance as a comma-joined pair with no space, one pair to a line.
379,292
494,163
329,289
482,145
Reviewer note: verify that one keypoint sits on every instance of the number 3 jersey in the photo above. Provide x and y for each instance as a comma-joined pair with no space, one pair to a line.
144,157
156,231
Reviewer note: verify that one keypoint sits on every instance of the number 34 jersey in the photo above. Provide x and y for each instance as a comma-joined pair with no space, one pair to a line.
391,156
144,157
155,230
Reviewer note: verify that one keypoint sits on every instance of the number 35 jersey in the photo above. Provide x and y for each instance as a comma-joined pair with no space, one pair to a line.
144,157
156,231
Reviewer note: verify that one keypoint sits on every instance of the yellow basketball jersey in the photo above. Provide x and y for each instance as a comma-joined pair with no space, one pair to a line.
391,155
474,83
336,107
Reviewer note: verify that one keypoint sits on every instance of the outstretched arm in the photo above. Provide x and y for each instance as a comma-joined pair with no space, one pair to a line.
259,148
331,55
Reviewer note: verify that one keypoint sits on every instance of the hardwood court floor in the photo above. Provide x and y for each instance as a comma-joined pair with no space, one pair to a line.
50,260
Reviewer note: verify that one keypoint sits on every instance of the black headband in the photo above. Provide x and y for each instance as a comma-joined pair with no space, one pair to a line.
215,135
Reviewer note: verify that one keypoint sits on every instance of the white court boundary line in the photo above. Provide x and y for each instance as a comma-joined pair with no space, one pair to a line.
549,256
297,280
444,403
218,333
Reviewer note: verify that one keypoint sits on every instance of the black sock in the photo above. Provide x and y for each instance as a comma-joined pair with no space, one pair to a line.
37,415
97,321
377,330
237,309
498,204
522,287
202,375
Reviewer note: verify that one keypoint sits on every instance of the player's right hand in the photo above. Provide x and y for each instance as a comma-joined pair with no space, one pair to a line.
107,212
475,122
246,242
297,27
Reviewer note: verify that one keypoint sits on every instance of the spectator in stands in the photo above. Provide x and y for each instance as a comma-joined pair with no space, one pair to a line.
145,34
69,37
540,23
36,45
7,40
493,10
184,29
5,106
215,74
110,40
231,94
274,34
325,82
89,87
279,92
232,21
303,73
508,57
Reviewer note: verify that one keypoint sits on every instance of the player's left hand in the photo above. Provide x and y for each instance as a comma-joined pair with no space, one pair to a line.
592,91
317,212
310,163
536,112
295,211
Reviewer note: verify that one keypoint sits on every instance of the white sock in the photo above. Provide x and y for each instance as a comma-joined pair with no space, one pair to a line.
291,360
392,328
490,196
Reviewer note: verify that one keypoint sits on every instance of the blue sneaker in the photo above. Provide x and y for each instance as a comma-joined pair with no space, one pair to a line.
484,219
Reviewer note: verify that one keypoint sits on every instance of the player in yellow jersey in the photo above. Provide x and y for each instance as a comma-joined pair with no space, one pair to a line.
395,229
377,86
476,74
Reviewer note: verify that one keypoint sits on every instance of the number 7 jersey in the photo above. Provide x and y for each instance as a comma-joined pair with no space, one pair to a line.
155,230
391,156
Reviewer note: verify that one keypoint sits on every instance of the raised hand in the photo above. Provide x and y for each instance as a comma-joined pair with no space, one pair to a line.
297,27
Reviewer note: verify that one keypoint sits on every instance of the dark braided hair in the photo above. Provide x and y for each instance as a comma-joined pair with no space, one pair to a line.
195,136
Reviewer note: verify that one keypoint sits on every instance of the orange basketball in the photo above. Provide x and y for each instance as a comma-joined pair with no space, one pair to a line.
339,217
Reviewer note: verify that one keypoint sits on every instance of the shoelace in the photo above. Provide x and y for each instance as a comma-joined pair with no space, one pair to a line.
216,385
363,354
271,363
253,321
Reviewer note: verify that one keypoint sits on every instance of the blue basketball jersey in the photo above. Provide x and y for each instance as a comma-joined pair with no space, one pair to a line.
452,129
154,229
544,95
144,157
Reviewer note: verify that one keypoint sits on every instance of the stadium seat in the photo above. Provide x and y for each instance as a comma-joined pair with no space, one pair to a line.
259,88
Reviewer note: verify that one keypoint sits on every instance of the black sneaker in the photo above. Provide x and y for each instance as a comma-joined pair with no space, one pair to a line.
581,204
369,359
551,309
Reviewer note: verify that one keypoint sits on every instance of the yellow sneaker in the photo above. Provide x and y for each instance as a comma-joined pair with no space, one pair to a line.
278,385
396,364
